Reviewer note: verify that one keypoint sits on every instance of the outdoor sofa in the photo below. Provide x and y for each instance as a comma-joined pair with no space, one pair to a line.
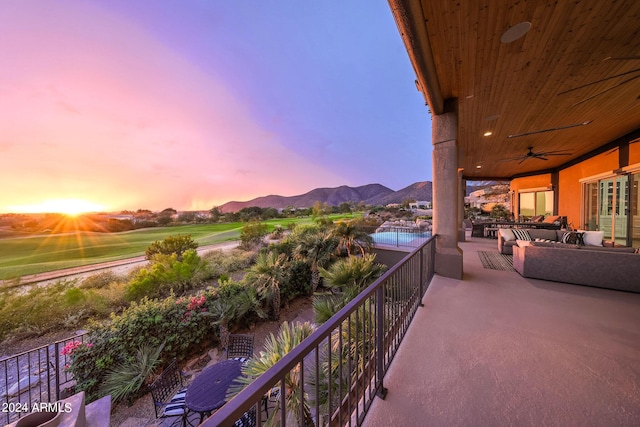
602,267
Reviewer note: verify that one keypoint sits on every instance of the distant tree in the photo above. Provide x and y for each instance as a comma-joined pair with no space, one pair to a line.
187,217
232,217
269,213
499,211
405,203
216,214
251,213
171,245
345,207
164,219
143,212
320,209
169,211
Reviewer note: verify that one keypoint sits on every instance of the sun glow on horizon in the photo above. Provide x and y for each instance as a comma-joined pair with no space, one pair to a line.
70,207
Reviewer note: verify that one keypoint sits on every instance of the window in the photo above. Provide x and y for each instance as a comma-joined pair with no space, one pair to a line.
534,203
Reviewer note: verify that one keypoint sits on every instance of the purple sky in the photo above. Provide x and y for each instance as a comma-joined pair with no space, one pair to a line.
189,104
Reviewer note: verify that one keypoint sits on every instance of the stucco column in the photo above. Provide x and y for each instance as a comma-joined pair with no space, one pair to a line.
462,191
448,261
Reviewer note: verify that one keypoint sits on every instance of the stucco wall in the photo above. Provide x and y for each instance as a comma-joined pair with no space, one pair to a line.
569,186
570,189
526,183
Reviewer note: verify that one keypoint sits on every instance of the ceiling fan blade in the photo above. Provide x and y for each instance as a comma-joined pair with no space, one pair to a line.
606,90
600,81
621,58
541,158
520,162
554,154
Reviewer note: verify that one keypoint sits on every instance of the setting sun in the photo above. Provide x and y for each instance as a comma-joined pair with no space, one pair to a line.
65,206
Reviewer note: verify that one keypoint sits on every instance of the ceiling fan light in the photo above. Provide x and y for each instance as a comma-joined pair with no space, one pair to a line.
488,133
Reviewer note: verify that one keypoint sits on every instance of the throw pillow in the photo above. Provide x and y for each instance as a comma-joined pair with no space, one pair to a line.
573,238
593,238
521,234
637,251
507,234
523,243
538,239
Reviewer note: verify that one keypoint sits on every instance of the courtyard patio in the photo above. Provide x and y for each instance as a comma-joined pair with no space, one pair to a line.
497,349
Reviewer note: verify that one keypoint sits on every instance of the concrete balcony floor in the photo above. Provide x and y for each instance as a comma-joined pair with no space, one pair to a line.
497,349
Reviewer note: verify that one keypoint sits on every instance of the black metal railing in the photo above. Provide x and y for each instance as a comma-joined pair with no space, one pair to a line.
334,374
32,377
398,236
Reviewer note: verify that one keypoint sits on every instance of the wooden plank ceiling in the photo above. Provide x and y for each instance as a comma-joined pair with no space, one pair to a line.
543,80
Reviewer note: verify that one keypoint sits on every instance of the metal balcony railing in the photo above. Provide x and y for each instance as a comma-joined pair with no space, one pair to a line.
32,377
340,368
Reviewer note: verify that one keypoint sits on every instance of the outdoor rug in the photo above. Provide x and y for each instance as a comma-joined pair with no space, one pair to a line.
496,261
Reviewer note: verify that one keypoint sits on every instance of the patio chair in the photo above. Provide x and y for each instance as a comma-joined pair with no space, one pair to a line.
167,392
248,419
240,347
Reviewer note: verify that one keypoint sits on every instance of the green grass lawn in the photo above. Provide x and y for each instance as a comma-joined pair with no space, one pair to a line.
38,254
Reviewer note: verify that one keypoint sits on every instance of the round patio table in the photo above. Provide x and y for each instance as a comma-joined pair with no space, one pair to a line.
208,391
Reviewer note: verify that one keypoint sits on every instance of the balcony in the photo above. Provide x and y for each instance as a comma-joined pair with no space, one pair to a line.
492,349
498,349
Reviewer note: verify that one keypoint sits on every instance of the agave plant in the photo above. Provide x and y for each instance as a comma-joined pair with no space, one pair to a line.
126,379
275,348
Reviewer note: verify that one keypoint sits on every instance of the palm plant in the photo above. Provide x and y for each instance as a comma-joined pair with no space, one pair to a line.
275,348
356,272
267,274
348,350
224,311
124,380
233,309
316,247
346,278
350,235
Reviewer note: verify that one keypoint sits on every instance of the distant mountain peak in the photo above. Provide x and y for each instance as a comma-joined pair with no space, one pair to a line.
371,194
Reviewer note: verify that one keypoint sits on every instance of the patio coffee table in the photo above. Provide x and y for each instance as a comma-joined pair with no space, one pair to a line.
208,391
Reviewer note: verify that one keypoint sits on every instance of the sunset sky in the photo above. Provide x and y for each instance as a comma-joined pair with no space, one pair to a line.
122,104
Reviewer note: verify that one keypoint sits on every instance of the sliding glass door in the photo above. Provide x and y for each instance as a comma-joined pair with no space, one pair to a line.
634,221
606,207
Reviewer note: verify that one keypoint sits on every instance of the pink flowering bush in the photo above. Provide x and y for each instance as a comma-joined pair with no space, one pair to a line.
174,322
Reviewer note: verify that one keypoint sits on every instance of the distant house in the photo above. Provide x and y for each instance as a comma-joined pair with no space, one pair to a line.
420,205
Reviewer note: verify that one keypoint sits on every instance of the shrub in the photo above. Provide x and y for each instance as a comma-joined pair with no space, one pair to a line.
252,234
297,283
167,273
101,280
177,245
172,321
220,262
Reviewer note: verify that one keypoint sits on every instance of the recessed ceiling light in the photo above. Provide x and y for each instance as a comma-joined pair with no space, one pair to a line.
469,96
492,118
515,32
478,167
488,133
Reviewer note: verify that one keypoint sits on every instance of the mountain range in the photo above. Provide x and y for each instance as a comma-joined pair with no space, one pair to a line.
371,194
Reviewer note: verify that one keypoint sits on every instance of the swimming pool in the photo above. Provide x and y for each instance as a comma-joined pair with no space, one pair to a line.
400,238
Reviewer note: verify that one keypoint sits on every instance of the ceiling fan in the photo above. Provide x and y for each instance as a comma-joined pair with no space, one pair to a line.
542,155
623,82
